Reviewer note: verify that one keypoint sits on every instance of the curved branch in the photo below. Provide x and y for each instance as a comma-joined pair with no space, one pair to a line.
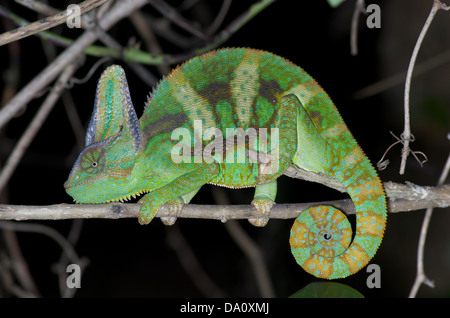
406,135
421,277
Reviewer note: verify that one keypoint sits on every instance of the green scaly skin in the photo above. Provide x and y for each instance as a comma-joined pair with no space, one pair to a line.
233,88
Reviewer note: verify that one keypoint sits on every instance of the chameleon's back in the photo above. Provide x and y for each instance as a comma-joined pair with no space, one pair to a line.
237,87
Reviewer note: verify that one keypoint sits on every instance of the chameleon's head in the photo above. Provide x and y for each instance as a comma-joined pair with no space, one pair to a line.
103,170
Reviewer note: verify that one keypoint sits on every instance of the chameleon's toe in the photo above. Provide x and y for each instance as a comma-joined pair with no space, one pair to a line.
174,206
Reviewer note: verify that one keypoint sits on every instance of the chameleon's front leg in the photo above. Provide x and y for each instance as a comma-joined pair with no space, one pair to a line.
175,194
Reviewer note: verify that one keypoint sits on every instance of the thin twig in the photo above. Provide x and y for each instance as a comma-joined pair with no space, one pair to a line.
149,38
29,91
47,22
134,54
19,263
359,7
253,253
249,248
46,230
66,246
35,125
421,277
382,164
120,10
406,135
171,14
219,18
60,268
399,78
191,264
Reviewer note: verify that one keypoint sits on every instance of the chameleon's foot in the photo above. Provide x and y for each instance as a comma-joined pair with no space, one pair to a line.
174,206
263,206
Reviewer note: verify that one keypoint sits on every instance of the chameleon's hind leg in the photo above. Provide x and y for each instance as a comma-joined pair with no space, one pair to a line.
282,150
263,201
283,141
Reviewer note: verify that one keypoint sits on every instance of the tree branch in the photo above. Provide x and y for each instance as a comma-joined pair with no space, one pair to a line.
47,22
406,136
402,198
421,277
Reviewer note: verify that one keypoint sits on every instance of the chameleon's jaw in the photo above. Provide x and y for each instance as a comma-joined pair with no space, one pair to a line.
76,190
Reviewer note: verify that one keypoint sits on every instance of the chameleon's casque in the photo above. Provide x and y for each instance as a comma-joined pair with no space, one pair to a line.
237,118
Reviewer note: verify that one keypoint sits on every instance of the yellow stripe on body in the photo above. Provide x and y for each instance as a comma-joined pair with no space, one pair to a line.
245,87
195,106
304,92
335,131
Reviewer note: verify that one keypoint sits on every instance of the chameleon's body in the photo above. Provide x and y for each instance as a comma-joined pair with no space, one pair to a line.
232,88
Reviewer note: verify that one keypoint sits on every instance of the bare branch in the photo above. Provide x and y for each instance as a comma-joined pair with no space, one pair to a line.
29,91
406,135
29,134
47,22
191,264
402,198
249,247
359,8
172,15
421,277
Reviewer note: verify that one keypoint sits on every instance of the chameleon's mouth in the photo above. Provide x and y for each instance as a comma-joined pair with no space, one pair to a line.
126,198
67,185
84,199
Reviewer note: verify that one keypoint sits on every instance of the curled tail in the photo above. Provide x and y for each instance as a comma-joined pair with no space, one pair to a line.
321,237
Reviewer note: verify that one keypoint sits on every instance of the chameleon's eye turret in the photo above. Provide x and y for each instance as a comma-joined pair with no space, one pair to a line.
92,161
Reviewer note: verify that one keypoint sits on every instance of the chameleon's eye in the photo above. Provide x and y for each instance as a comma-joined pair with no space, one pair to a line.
92,161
